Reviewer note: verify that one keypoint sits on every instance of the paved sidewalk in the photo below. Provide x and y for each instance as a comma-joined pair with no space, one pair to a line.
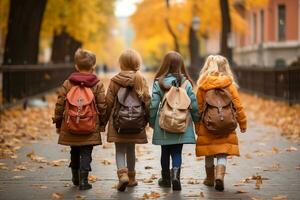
264,152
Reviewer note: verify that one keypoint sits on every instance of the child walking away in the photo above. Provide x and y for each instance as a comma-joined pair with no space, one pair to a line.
172,112
79,113
128,102
219,101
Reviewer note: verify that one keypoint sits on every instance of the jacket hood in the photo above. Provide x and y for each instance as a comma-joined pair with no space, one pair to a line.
124,78
87,80
212,82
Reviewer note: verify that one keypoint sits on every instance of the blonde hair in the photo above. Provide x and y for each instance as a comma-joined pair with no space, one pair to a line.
130,60
216,65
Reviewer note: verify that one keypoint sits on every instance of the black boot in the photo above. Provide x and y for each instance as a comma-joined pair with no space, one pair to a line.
83,181
165,181
175,173
75,177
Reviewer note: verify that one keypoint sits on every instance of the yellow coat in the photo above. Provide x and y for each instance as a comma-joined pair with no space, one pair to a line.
207,143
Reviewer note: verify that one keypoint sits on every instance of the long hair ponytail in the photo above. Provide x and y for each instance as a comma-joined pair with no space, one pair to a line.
130,60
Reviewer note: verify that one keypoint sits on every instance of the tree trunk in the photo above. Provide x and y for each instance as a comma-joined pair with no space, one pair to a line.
226,30
64,47
171,31
195,62
24,24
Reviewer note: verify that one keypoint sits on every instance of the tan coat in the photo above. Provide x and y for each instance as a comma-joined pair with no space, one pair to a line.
123,79
207,143
70,139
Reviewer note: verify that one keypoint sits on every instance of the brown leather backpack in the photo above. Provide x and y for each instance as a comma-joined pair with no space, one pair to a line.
219,115
80,115
129,115
174,110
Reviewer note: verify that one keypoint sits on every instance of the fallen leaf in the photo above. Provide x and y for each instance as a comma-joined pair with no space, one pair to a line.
241,191
255,198
201,194
199,158
290,149
248,156
238,184
280,197
147,180
105,162
151,195
67,185
56,195
298,167
18,177
93,179
39,186
59,162
275,150
192,181
148,167
258,182
80,197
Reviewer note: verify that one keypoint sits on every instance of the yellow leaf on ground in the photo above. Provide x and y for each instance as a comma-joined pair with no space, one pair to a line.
280,197
241,191
290,149
151,195
56,195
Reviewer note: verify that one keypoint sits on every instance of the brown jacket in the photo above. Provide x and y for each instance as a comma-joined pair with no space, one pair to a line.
123,79
70,139
210,144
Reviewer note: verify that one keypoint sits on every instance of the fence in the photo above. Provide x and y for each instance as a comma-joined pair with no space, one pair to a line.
24,81
279,84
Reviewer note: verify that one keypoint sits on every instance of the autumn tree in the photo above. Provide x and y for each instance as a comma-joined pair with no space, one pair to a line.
225,49
24,24
72,24
153,37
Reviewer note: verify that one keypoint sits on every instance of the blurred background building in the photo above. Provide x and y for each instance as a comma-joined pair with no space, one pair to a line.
273,35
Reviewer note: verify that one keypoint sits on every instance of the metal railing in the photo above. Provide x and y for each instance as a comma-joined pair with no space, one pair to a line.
279,84
21,82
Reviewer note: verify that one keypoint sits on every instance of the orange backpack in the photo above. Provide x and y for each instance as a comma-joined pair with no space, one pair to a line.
80,115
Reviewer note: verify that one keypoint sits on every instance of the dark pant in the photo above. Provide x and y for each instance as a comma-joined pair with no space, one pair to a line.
175,151
81,157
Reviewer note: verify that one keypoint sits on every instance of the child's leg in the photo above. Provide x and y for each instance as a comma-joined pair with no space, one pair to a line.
121,165
75,158
176,154
209,161
165,158
210,171
75,164
86,157
120,155
85,166
130,156
165,181
222,159
220,171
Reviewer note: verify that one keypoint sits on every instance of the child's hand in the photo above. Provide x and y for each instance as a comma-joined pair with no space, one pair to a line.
243,130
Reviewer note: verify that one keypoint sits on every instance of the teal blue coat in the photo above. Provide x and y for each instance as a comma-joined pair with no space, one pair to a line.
160,136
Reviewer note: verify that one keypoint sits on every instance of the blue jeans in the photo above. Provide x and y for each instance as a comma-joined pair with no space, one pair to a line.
175,151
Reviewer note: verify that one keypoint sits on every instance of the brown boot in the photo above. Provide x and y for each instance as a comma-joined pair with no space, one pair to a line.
210,176
123,179
220,173
132,181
